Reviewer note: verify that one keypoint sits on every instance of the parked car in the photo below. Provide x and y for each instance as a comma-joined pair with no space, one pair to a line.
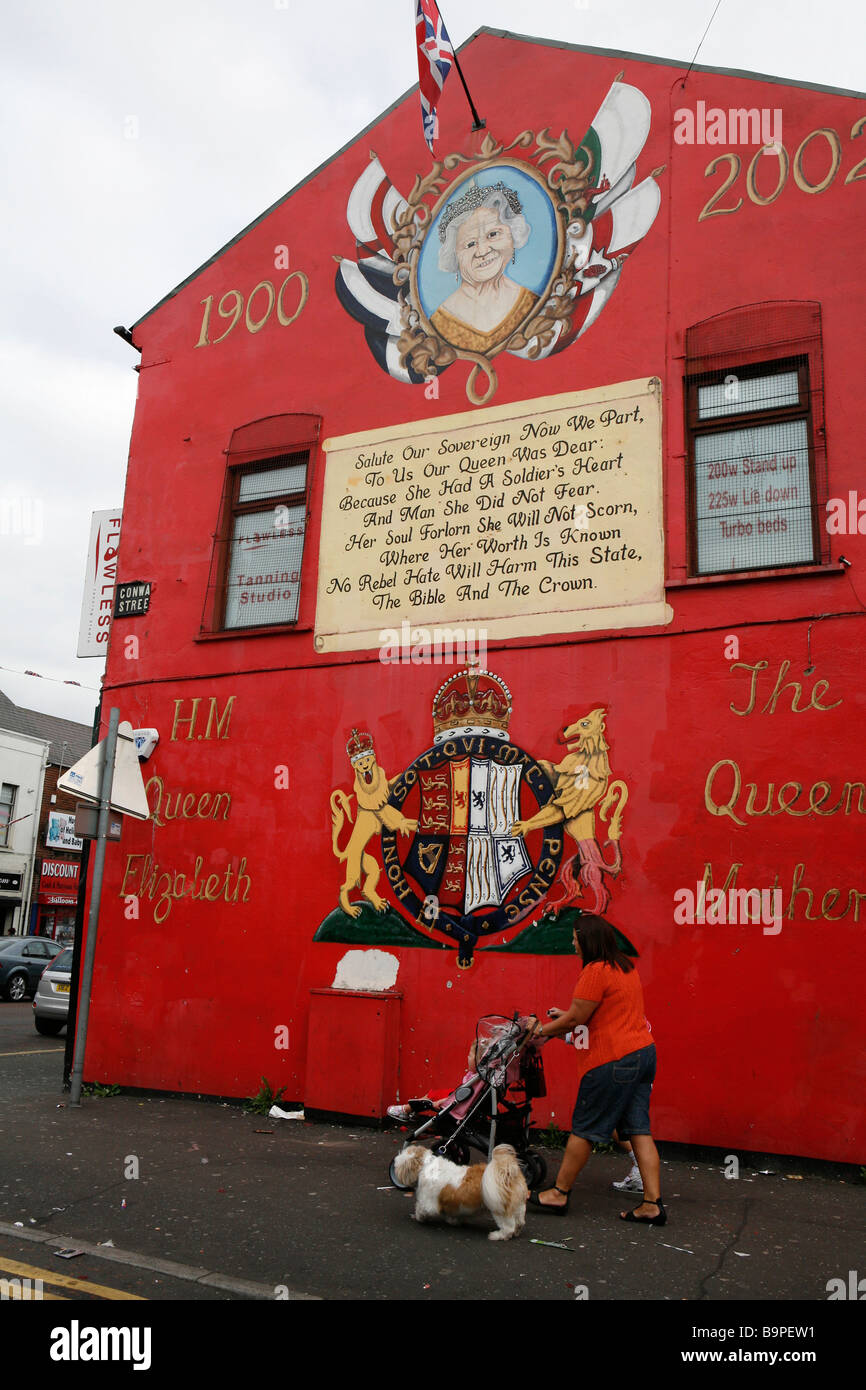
22,960
51,1000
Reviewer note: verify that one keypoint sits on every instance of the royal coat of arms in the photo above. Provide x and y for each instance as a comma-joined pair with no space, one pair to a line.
473,832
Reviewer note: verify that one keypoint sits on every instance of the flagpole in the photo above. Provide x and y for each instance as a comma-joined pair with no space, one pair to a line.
480,123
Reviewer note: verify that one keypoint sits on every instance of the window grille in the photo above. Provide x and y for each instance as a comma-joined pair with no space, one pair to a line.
755,440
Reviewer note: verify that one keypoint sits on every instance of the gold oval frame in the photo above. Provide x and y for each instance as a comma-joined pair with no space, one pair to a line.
567,183
522,167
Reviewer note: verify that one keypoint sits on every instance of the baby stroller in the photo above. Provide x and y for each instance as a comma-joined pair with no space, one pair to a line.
496,1106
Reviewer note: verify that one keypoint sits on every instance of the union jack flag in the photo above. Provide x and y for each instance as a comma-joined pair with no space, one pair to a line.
435,59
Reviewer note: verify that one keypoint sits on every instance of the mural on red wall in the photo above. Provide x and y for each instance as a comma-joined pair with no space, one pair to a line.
371,791
582,785
481,846
516,249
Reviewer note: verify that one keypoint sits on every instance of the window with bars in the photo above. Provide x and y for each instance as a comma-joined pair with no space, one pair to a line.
754,416
7,809
257,566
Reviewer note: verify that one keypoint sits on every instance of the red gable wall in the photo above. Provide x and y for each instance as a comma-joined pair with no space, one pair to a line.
759,1035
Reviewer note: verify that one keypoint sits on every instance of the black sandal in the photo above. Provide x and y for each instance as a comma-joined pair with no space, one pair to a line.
551,1206
659,1220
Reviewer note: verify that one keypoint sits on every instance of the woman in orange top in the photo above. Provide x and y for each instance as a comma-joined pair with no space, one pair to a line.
617,1068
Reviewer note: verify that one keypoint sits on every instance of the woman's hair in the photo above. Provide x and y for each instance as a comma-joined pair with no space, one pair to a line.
598,942
498,200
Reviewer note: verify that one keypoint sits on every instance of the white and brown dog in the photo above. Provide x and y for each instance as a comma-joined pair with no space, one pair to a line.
444,1190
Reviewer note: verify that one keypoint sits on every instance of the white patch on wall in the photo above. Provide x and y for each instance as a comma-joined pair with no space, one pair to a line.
366,970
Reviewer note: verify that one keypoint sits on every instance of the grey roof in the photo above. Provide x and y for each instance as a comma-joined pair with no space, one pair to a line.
11,717
68,740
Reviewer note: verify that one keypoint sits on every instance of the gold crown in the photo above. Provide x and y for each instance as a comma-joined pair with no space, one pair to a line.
359,746
472,702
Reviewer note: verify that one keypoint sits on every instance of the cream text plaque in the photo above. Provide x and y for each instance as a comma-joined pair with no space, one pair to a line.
537,517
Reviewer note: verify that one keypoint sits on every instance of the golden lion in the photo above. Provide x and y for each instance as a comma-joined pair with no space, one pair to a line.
371,790
582,783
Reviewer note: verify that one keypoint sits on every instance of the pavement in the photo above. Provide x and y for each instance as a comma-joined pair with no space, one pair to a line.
179,1199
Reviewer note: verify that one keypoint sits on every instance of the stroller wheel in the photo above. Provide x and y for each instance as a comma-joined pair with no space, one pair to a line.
401,1186
534,1169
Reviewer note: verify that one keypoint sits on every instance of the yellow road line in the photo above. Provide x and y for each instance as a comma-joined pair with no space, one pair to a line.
65,1281
32,1052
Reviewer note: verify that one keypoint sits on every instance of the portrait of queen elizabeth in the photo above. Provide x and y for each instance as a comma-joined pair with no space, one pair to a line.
480,233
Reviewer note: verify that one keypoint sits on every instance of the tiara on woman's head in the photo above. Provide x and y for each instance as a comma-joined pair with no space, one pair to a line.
472,199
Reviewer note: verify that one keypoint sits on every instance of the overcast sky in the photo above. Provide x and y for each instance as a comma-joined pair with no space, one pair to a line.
139,138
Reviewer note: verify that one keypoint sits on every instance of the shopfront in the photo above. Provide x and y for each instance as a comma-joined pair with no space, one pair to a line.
56,899
11,889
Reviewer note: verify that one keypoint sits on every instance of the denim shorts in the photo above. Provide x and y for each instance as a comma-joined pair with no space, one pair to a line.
616,1096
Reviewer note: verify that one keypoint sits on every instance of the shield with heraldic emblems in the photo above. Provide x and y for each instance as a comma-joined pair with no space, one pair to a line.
465,871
